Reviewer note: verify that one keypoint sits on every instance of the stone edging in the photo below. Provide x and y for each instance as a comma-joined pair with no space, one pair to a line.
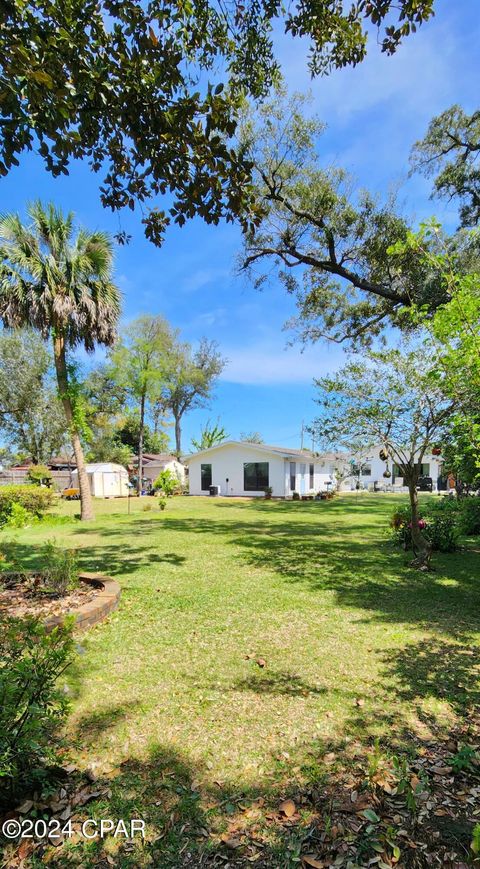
89,614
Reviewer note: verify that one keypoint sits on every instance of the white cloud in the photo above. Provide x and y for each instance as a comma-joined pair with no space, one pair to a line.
264,364
202,277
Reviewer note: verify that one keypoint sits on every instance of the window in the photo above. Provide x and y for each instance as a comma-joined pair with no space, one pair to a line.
366,470
206,472
425,470
255,476
293,476
312,476
396,470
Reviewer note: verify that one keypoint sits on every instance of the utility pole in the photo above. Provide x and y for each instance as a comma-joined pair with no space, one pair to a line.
301,438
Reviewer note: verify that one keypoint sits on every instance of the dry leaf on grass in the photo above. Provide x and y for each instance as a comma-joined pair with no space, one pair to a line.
288,808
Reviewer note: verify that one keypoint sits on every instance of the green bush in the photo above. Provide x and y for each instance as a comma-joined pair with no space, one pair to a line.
18,517
39,475
32,707
167,483
60,568
469,518
162,503
35,499
439,523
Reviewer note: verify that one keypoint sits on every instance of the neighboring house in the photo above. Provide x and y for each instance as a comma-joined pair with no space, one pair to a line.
106,479
154,463
238,468
368,469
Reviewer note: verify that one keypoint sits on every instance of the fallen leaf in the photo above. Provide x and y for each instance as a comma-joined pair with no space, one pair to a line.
288,808
261,662
310,860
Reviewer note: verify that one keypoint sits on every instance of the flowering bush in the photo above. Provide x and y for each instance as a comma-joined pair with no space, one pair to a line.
438,521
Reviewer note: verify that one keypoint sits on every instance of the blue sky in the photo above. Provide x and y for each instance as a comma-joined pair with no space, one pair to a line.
374,114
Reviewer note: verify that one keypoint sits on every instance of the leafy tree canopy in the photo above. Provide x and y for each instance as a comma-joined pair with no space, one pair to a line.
31,415
450,151
148,92
329,242
251,437
210,435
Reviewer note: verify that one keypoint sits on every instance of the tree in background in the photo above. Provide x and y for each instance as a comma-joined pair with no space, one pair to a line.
210,436
32,420
139,366
251,437
450,151
117,84
348,285
40,475
190,380
61,285
392,398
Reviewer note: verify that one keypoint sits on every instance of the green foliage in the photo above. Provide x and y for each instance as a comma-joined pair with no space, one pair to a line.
210,435
35,499
96,66
32,418
450,151
348,284
32,707
167,483
39,475
162,503
59,568
464,759
469,516
439,522
475,846
18,517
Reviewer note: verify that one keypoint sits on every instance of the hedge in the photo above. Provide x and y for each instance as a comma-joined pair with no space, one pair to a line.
35,499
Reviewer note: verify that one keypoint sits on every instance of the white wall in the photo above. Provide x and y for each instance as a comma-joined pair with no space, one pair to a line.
228,461
378,467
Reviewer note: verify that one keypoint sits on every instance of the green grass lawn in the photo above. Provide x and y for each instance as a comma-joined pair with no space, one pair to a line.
355,645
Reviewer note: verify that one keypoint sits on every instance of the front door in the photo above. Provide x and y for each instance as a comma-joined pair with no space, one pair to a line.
303,471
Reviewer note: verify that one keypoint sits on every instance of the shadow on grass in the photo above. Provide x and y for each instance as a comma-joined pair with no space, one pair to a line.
289,684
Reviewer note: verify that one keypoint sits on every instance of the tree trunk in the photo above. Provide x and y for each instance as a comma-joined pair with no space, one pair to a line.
178,436
421,548
86,508
141,430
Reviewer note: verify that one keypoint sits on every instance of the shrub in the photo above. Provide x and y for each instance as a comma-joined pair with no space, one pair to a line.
32,707
162,503
296,496
60,568
39,475
18,516
469,518
35,499
167,483
438,522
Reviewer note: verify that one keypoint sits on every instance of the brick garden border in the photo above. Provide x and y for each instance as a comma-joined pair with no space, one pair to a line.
89,614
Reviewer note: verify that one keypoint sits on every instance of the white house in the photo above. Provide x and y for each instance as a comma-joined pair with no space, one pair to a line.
107,480
244,469
373,472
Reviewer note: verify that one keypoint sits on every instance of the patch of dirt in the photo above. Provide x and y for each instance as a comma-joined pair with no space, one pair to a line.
28,595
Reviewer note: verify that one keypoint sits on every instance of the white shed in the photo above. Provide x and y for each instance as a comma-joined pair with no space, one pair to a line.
107,480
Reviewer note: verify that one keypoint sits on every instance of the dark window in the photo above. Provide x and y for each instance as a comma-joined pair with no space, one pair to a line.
425,470
397,471
206,471
365,470
312,478
255,476
293,472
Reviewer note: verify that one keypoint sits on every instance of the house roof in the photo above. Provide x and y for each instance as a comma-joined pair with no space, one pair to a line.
158,457
286,452
106,467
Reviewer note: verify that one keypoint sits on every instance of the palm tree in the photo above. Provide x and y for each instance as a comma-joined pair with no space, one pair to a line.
60,284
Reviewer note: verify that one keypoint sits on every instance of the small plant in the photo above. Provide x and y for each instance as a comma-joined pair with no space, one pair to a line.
167,483
61,569
32,707
296,496
162,503
464,759
40,475
147,507
268,492
475,846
